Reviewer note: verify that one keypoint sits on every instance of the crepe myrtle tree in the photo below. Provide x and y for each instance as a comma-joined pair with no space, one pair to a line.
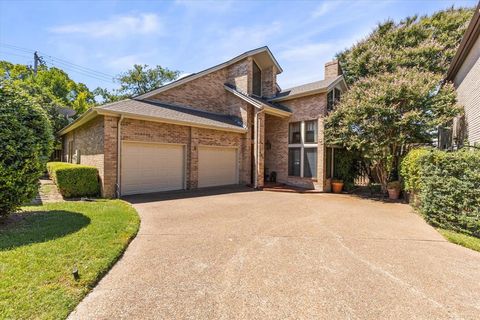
384,115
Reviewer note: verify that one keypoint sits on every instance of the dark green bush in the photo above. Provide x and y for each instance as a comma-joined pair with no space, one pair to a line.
346,167
25,145
449,190
74,180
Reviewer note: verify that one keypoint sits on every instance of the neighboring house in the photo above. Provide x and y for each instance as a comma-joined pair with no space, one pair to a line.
464,72
229,124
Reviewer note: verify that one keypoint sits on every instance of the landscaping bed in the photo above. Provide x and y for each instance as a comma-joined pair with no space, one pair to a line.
41,247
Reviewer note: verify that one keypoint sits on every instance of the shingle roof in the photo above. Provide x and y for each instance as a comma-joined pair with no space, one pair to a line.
260,99
304,88
212,69
160,110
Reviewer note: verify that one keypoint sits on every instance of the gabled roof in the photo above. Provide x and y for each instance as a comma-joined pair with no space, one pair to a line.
261,103
469,38
157,111
194,76
309,88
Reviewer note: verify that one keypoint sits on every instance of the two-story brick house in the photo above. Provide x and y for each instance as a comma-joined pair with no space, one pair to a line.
229,124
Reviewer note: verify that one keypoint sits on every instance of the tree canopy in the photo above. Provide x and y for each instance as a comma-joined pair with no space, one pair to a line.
395,97
426,43
138,80
52,89
382,116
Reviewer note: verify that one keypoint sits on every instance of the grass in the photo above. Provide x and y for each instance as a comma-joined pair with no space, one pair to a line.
461,239
42,245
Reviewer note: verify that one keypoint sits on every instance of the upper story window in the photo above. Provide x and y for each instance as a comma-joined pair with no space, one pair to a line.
294,135
257,80
311,131
333,97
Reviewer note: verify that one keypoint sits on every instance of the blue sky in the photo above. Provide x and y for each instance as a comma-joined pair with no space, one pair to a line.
110,36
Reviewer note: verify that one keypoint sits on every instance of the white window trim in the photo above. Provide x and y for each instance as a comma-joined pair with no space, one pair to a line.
333,93
302,145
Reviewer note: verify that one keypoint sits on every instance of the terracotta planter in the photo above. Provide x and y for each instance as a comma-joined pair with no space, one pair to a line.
393,194
337,187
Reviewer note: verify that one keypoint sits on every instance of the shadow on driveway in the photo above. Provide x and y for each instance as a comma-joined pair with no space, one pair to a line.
185,194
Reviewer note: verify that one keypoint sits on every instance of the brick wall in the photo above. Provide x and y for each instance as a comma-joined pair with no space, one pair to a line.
88,141
110,160
269,80
147,131
276,133
332,69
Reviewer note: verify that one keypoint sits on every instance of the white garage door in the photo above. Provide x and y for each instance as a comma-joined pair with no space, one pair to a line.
217,166
151,167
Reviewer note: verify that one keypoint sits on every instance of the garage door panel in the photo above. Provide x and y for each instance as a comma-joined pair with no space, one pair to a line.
217,166
152,167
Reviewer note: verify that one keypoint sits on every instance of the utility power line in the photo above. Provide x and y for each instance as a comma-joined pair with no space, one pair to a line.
61,63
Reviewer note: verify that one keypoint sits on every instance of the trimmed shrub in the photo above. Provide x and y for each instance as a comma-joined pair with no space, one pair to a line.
74,180
25,145
449,190
410,169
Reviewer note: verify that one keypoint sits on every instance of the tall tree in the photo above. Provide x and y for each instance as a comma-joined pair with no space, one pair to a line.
383,116
138,80
425,43
395,99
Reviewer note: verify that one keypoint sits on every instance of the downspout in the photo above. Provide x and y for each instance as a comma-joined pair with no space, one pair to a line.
119,150
255,150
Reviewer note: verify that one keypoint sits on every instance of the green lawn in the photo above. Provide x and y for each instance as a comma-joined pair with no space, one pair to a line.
39,251
461,239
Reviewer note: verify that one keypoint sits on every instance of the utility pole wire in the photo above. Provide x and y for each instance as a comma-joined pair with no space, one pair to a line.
85,70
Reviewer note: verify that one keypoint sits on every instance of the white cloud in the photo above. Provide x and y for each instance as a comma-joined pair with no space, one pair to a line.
116,26
325,7
307,52
125,63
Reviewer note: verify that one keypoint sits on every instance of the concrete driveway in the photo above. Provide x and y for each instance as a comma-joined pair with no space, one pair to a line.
271,255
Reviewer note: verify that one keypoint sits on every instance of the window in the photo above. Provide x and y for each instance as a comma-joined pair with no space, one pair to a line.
294,133
310,162
311,131
333,97
302,149
337,96
257,80
294,162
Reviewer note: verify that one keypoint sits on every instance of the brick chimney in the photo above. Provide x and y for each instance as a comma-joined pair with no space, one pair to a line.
332,69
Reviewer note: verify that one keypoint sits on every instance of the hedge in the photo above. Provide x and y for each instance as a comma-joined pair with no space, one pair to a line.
410,169
448,185
74,180
25,145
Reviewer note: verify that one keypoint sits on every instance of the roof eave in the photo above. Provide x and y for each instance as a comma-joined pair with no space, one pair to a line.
84,118
469,38
209,70
130,115
340,79
259,105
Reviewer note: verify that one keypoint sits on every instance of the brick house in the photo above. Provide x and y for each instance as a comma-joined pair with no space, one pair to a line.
229,124
464,72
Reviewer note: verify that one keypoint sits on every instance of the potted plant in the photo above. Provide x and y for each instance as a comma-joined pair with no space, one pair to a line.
337,186
393,189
